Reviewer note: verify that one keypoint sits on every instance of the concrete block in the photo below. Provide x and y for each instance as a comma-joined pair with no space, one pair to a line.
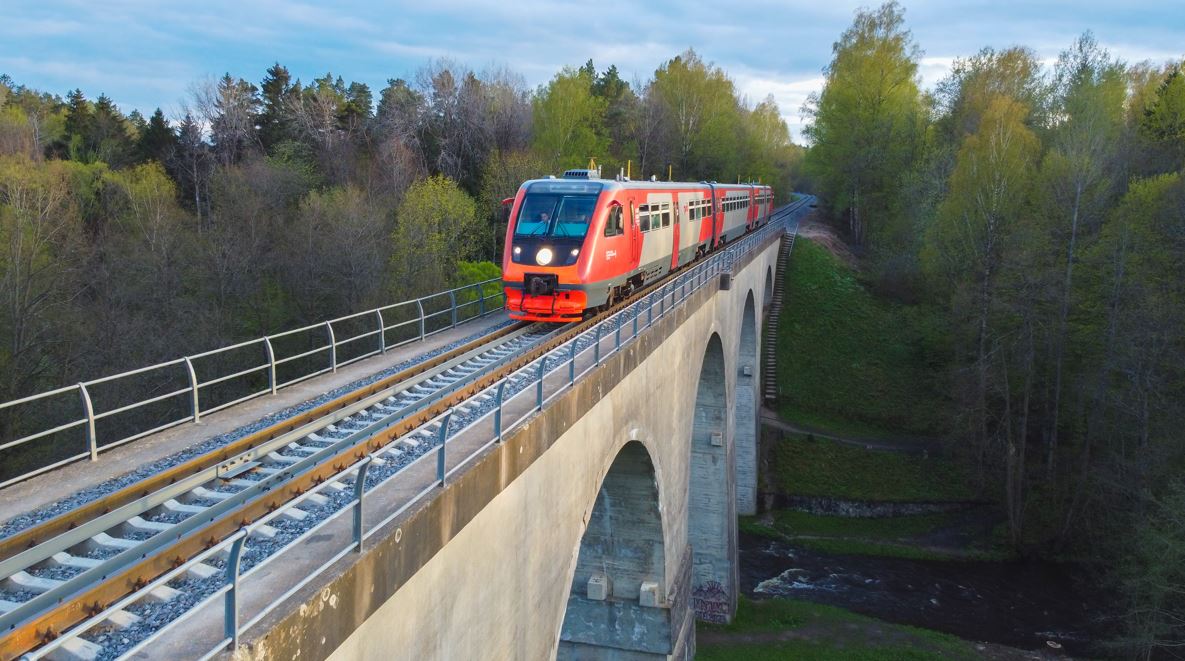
747,370
600,587
717,439
649,595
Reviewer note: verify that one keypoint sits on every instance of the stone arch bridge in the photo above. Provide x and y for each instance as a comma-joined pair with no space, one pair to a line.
600,529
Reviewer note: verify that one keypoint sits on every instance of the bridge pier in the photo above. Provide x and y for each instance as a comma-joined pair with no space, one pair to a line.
711,490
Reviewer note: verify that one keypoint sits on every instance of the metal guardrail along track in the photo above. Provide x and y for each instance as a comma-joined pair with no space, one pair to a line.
305,469
328,345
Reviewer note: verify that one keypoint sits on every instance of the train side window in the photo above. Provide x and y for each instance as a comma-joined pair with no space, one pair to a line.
666,218
644,222
613,222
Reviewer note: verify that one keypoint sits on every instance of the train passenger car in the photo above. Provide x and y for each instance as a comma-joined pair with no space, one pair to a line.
578,243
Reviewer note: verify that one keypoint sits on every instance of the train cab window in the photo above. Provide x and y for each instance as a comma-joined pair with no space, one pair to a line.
555,214
613,221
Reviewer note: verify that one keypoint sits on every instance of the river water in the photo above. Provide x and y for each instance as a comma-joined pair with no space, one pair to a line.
1020,604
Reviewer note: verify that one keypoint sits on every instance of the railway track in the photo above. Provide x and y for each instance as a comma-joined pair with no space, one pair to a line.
46,566
64,571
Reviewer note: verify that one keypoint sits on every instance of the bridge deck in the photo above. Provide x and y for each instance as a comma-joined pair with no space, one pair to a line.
43,490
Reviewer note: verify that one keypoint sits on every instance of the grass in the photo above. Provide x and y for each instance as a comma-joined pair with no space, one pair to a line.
848,358
791,629
894,537
822,468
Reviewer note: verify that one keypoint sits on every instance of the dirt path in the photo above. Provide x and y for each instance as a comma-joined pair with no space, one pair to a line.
906,445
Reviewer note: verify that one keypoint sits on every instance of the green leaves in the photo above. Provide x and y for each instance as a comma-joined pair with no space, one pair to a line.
569,120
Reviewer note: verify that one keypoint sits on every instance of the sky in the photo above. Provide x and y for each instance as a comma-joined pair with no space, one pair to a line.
149,53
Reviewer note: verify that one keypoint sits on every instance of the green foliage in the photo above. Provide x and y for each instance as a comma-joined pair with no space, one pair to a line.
1154,576
435,226
845,355
702,115
569,120
867,122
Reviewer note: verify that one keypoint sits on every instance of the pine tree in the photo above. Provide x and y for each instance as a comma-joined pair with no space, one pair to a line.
276,96
157,140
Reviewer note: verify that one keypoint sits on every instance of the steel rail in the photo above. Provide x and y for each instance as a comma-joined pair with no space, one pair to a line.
42,532
205,530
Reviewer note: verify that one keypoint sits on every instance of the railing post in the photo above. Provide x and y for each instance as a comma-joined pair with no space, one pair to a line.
617,334
382,331
498,410
597,347
420,306
231,603
539,384
481,299
441,439
332,347
650,311
572,364
271,363
637,313
452,299
359,493
195,402
89,410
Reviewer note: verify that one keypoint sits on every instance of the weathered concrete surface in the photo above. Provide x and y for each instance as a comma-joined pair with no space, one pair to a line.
485,568
50,487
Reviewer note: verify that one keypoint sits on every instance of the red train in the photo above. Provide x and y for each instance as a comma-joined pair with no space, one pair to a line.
579,242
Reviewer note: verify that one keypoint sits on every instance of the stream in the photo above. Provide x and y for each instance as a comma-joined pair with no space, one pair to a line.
1021,604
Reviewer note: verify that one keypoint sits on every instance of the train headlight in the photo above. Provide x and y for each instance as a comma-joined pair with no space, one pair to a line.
518,251
575,253
544,256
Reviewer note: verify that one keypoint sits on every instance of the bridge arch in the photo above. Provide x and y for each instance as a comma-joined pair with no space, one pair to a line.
711,525
746,410
616,604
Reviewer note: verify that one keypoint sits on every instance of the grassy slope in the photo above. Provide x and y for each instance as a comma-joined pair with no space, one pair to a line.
790,629
804,467
850,362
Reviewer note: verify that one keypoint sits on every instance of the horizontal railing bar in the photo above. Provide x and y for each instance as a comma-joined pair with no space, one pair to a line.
61,462
298,379
105,379
43,395
136,405
40,434
358,337
232,347
228,377
306,354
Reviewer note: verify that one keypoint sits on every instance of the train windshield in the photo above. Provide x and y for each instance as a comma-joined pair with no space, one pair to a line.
555,214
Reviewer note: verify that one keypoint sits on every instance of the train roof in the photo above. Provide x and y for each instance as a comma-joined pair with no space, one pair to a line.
636,184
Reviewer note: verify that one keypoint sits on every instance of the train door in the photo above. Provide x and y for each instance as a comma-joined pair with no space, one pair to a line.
635,237
618,244
678,219
717,217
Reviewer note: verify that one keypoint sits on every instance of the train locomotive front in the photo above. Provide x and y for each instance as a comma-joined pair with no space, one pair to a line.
545,262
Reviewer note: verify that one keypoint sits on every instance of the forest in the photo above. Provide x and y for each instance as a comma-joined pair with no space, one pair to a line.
130,239
1040,211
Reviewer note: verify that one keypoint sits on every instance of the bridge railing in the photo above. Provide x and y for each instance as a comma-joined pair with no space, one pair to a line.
50,429
528,382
